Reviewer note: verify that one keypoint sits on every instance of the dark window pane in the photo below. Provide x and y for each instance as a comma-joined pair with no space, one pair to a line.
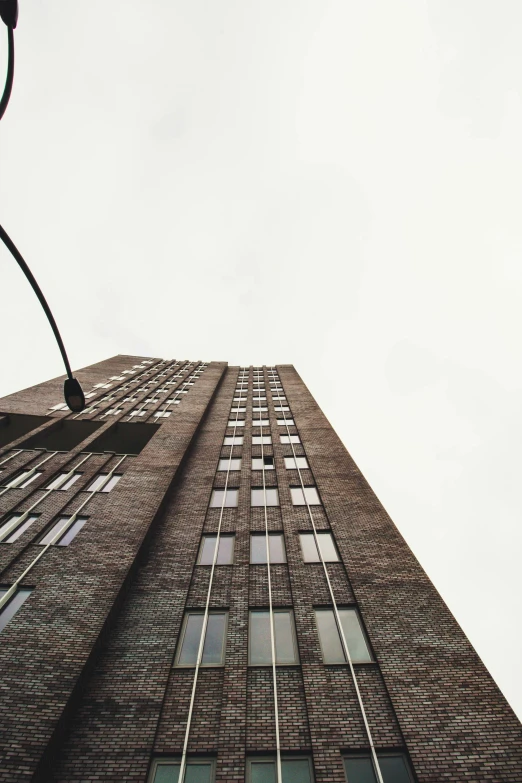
259,638
8,611
263,772
198,773
213,647
207,550
359,770
277,549
167,773
354,636
394,769
257,549
60,525
226,550
72,532
329,637
284,638
296,771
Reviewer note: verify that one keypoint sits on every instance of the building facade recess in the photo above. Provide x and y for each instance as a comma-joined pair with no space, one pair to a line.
198,584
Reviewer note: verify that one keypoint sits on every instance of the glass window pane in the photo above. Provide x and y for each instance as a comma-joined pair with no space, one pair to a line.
312,496
309,549
206,553
394,769
263,772
72,532
191,638
284,638
198,773
214,638
296,771
329,636
68,484
8,525
13,606
97,482
167,773
111,483
272,497
19,530
327,547
59,525
226,550
259,638
297,496
354,635
277,548
257,549
230,464
359,770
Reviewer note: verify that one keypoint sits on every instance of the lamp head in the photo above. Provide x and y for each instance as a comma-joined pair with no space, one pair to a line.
9,12
74,396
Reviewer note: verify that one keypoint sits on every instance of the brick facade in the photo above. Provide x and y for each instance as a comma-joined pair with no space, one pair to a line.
89,689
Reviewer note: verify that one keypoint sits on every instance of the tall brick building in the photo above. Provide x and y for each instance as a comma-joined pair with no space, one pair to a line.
198,584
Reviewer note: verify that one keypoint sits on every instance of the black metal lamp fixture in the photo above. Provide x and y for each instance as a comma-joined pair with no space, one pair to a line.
73,393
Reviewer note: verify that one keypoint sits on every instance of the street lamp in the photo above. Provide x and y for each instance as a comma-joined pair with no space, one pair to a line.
73,393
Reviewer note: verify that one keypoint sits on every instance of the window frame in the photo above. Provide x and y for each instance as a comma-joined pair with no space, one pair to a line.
295,465
263,467
176,760
183,631
277,610
319,533
266,490
380,754
228,460
4,609
273,759
302,490
53,528
262,534
221,536
224,490
354,609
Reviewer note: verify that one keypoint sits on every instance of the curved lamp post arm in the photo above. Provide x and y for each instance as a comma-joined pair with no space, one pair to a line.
74,396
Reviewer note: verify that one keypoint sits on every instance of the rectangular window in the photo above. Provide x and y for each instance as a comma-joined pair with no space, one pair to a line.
236,423
10,609
12,527
302,497
285,422
292,463
331,641
326,545
239,401
257,399
224,497
281,408
260,409
230,464
100,483
197,771
258,439
214,644
162,414
23,479
276,545
260,463
260,422
293,770
259,647
225,554
233,440
238,410
290,439
62,482
394,768
69,531
260,497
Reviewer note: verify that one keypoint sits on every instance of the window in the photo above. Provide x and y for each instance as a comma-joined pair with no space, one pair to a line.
293,770
225,554
8,611
281,408
98,484
326,545
69,530
290,439
285,422
162,414
62,406
257,399
197,771
259,647
224,497
331,641
291,463
258,439
260,463
23,479
260,496
239,401
62,482
238,410
233,440
394,769
214,645
137,412
260,409
230,464
302,497
276,546
13,527
236,423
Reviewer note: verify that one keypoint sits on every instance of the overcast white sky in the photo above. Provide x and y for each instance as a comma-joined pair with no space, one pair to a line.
164,164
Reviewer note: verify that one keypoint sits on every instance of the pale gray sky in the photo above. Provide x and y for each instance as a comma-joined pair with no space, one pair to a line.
163,164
